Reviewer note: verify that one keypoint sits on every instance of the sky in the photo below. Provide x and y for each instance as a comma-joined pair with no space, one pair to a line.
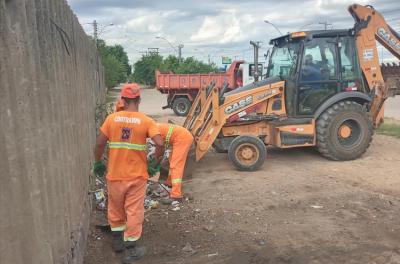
215,28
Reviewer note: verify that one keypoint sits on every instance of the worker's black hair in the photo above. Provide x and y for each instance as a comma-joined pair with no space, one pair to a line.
131,100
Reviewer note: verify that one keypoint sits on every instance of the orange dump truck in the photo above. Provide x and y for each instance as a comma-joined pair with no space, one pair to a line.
183,88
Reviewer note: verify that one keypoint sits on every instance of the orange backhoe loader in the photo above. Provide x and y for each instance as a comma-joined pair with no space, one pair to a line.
323,89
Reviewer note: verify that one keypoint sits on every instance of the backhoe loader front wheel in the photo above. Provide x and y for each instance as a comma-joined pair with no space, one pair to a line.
247,153
344,131
181,106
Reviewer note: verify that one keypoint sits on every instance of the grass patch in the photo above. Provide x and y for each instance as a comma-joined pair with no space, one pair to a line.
390,128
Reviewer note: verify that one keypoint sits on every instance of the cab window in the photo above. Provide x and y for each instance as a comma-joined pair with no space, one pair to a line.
318,78
252,69
347,59
319,61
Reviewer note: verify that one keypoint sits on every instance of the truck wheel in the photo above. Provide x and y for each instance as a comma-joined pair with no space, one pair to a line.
344,131
247,153
181,106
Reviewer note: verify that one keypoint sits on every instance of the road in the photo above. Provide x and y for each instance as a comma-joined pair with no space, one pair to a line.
298,208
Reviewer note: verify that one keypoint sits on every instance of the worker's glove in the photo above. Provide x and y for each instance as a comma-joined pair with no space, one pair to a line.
152,167
99,168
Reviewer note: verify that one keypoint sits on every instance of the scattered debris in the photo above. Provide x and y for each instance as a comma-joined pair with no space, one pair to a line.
262,242
317,206
188,248
212,255
100,196
150,203
208,228
177,208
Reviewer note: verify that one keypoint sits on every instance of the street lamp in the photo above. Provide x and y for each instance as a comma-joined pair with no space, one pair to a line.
180,47
266,21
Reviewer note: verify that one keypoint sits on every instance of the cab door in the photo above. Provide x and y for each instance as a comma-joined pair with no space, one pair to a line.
351,77
318,77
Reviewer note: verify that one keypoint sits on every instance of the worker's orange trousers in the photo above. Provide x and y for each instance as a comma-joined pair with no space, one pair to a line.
125,206
177,160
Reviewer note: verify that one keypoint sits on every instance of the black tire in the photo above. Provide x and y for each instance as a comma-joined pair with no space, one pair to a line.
181,106
331,142
249,144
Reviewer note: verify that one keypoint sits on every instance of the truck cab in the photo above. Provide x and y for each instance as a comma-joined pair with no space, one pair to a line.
247,70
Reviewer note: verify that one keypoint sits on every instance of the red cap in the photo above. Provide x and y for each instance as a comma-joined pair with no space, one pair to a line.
130,90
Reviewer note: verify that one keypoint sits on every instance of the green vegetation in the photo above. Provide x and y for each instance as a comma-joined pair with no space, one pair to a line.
117,69
390,127
144,69
115,62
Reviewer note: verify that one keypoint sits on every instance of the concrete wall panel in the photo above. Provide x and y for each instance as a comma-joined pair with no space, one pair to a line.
50,80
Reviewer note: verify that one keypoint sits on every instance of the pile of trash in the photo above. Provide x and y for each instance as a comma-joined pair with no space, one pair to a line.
154,192
155,189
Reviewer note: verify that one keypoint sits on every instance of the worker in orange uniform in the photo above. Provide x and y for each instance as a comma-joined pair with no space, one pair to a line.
126,132
180,139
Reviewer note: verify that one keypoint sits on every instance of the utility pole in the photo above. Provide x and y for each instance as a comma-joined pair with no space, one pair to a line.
326,24
95,35
180,47
256,46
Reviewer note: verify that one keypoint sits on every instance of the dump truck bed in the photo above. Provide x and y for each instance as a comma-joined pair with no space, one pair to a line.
171,82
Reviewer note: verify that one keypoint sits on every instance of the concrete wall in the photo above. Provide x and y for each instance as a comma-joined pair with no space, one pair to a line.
50,77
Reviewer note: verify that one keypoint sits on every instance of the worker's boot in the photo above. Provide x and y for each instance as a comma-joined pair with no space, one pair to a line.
132,252
117,241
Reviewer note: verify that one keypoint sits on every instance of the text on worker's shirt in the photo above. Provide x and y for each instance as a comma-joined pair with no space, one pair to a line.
124,119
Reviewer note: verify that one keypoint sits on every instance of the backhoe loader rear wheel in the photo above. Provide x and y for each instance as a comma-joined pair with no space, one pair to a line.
344,131
247,153
181,106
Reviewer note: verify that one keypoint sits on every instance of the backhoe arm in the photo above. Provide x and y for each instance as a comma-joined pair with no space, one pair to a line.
370,27
209,113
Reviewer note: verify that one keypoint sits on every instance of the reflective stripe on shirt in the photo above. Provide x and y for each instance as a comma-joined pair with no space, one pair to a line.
169,134
125,145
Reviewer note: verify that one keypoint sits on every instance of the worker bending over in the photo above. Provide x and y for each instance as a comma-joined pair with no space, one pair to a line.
126,132
180,139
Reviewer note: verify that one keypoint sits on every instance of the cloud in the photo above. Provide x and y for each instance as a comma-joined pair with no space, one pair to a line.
214,27
223,28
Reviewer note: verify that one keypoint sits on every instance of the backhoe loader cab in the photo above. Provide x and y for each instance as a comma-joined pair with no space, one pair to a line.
315,66
323,89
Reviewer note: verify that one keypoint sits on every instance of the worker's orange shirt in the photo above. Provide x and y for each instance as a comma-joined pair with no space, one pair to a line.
177,132
127,133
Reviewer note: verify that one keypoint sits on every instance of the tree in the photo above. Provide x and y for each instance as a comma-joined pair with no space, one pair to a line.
114,71
171,63
191,65
115,61
144,69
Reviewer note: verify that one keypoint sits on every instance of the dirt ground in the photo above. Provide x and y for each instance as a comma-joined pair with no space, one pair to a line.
298,208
